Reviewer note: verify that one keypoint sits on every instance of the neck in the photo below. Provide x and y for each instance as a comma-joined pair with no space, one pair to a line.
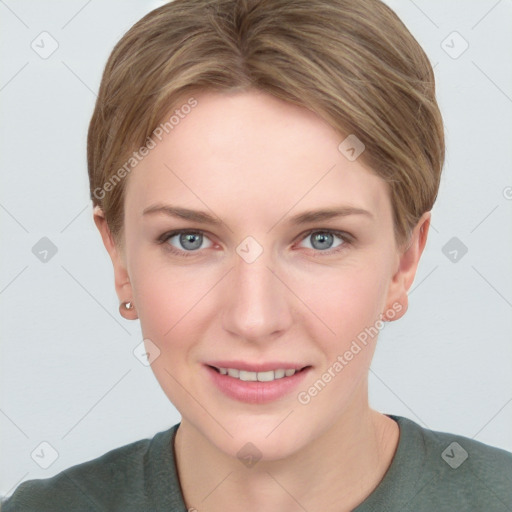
341,466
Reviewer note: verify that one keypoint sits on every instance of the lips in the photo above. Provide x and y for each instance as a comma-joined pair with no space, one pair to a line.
270,388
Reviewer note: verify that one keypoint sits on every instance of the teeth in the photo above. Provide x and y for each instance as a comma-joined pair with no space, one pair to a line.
279,374
257,376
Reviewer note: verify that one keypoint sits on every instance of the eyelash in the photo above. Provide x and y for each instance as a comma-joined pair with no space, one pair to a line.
347,240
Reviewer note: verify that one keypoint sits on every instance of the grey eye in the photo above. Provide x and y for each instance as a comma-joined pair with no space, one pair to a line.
322,240
188,241
194,239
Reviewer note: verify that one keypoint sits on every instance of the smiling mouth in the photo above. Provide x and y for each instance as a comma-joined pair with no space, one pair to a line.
267,376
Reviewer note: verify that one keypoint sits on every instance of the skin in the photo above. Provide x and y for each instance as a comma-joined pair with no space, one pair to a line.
254,161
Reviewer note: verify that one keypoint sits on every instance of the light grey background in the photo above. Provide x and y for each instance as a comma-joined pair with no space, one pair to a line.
69,377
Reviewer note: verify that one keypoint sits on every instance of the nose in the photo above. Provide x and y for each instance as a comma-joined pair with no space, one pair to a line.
257,304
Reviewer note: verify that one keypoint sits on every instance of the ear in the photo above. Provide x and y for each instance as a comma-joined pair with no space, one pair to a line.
397,300
121,278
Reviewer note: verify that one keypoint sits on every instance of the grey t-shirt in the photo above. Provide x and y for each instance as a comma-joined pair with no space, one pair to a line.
431,471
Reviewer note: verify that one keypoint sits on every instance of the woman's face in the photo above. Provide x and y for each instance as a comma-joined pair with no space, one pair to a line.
259,286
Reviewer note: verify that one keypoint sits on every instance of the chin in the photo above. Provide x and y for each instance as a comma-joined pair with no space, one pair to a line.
261,439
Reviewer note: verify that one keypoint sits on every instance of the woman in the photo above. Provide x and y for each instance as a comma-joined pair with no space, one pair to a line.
262,175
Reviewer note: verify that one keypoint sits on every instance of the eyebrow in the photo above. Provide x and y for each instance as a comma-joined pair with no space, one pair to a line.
302,218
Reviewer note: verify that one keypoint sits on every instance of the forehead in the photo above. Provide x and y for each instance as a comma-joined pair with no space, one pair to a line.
244,151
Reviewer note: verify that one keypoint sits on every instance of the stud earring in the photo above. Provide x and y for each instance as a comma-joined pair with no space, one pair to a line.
127,310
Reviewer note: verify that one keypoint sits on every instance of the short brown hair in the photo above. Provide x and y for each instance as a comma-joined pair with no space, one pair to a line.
354,63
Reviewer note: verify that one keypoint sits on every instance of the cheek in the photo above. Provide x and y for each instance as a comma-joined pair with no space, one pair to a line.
348,305
169,311
171,304
344,301
165,301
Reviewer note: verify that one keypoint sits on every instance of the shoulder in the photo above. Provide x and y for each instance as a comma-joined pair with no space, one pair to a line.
99,484
460,470
459,451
